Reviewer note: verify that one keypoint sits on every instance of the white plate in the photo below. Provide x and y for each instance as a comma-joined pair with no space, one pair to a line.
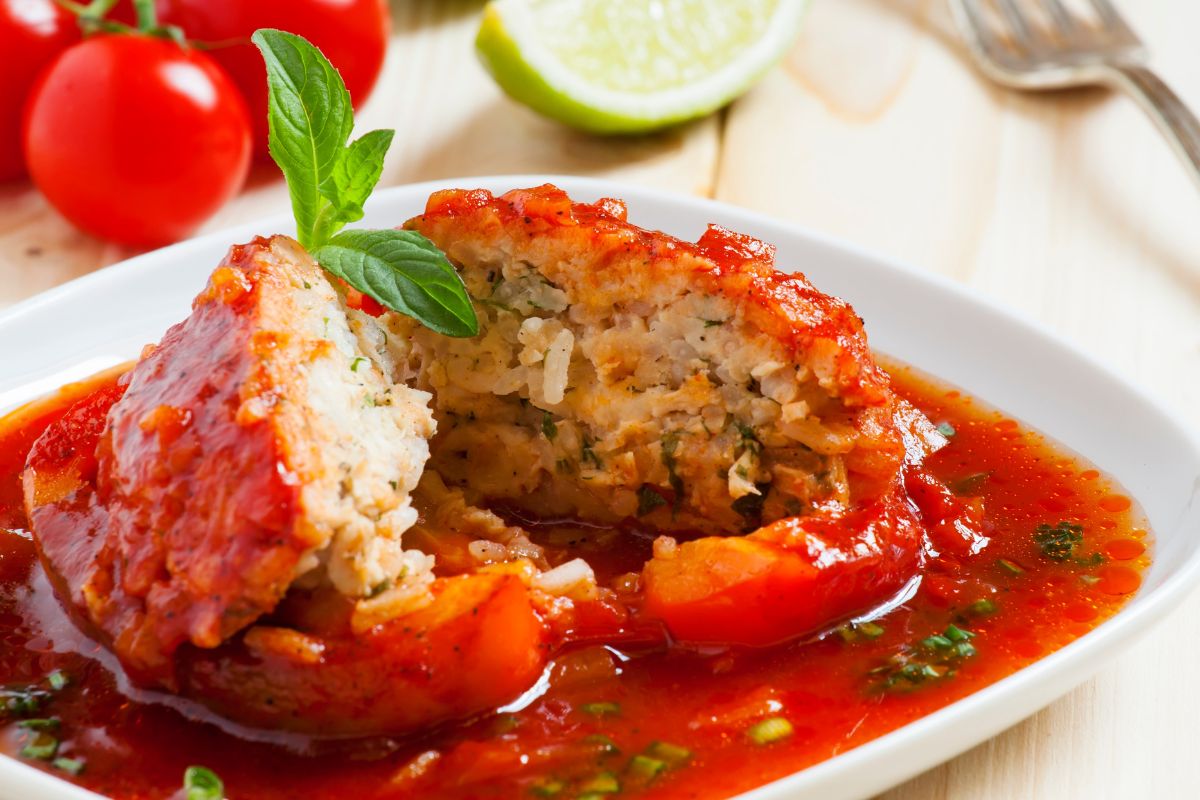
931,323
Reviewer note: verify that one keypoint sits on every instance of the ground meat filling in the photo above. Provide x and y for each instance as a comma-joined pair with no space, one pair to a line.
623,374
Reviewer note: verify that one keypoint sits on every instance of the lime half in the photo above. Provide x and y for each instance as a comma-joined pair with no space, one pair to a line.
628,66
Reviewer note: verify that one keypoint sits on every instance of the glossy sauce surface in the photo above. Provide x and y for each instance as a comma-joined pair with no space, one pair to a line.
632,722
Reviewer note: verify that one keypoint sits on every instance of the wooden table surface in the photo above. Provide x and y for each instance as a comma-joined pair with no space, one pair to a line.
1068,207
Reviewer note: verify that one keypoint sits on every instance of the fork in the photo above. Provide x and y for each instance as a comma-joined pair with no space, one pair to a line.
1044,45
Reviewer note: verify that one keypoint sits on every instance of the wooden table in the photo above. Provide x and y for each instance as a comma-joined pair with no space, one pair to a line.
876,129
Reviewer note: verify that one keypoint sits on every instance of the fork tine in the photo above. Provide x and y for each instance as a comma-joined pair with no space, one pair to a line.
1063,20
1018,25
1113,20
981,28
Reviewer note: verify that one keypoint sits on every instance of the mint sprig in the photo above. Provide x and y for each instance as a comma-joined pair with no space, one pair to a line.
329,180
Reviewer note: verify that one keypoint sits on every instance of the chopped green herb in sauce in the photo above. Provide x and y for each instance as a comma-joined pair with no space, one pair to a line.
853,631
71,766
549,429
1060,542
201,783
770,730
601,709
934,658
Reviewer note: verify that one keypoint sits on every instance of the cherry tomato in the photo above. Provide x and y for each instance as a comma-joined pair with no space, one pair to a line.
136,139
352,34
32,32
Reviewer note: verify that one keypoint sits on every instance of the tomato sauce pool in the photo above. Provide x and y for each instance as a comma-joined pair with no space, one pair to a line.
1067,550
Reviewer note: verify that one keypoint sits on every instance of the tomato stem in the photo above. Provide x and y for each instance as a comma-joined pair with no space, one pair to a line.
147,17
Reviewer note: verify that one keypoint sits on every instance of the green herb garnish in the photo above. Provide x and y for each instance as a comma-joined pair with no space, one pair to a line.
23,701
933,658
644,769
601,709
852,631
748,439
648,500
587,455
201,783
42,724
673,754
670,444
58,680
43,747
71,766
1059,542
549,429
601,783
547,788
1011,567
982,607
310,120
946,429
770,730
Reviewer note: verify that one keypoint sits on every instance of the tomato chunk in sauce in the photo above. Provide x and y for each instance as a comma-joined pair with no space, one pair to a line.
1066,550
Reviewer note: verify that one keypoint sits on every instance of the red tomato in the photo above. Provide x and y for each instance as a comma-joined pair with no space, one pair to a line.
136,139
32,32
353,35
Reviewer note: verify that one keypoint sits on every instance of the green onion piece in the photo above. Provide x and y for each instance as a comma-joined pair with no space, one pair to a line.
549,788
549,429
946,429
600,783
770,730
870,630
982,607
937,643
42,747
956,634
673,754
1011,567
39,724
58,680
645,769
22,702
1090,580
71,766
201,783
601,709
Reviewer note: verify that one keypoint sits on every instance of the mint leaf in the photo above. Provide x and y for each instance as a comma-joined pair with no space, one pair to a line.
405,272
310,118
354,176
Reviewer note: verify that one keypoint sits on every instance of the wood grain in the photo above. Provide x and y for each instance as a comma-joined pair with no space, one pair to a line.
876,128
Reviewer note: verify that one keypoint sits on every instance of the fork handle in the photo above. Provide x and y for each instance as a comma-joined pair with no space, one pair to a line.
1172,117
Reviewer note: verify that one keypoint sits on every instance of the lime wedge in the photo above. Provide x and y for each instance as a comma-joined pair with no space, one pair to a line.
628,66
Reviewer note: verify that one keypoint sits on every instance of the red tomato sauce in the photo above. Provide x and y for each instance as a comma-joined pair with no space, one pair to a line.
657,722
